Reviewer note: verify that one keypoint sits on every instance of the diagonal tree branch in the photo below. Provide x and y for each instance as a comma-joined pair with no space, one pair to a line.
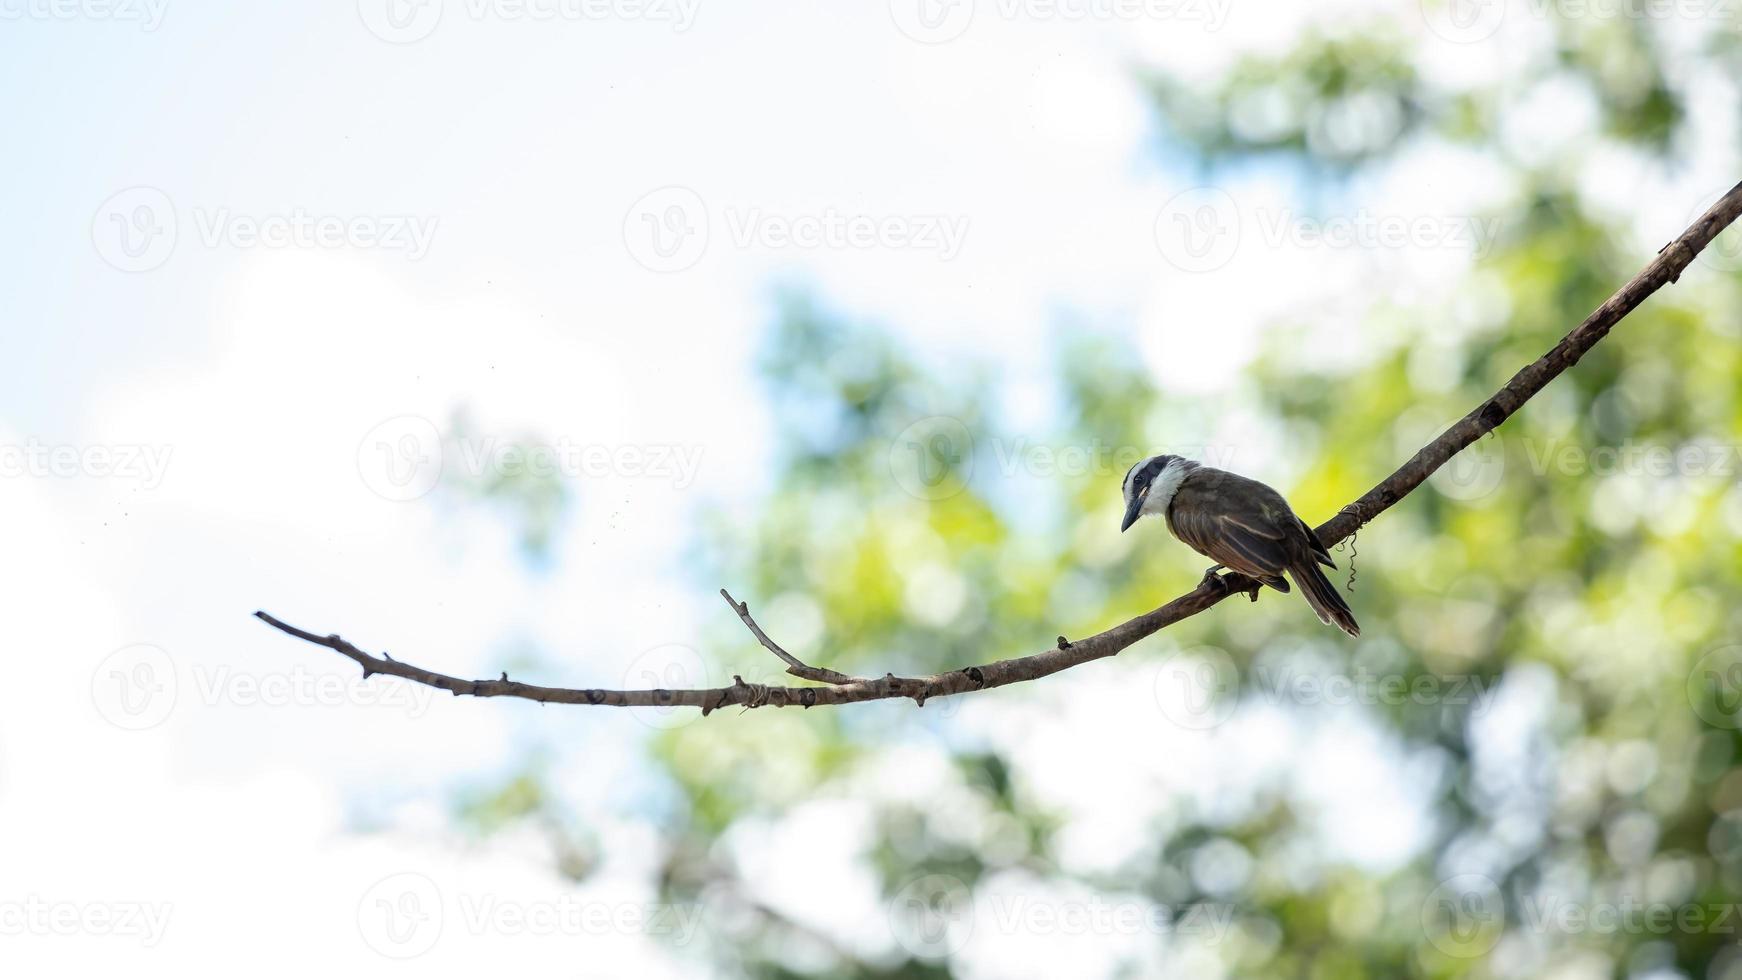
839,688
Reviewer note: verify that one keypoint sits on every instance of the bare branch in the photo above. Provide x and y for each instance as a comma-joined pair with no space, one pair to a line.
1666,268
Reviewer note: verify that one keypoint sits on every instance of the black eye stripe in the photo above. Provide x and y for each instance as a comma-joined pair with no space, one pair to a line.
1150,470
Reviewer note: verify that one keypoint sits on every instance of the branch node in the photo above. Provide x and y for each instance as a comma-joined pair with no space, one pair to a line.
1064,644
756,696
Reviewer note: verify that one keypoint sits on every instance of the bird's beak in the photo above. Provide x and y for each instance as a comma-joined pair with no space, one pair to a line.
1132,512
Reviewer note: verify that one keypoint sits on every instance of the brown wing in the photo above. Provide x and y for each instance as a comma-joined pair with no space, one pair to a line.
1235,521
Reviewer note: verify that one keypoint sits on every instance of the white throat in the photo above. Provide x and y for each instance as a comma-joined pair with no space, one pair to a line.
1165,485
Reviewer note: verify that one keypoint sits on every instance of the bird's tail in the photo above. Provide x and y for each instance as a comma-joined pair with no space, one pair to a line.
1323,597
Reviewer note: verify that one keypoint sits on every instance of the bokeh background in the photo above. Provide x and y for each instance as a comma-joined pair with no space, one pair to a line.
500,335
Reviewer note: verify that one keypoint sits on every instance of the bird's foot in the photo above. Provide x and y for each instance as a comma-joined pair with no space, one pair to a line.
1212,579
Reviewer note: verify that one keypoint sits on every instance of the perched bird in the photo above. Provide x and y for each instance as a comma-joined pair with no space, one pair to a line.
1241,524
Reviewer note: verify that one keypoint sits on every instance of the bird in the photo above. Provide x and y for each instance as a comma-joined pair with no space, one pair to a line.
1239,523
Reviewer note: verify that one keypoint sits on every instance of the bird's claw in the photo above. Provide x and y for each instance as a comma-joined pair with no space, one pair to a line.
1222,583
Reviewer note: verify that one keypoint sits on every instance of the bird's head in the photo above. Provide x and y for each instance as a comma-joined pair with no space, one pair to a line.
1150,485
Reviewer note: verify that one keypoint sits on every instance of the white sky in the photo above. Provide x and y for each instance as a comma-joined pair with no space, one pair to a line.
260,371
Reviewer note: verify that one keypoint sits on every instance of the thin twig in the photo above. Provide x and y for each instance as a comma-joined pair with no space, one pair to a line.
1666,268
794,666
